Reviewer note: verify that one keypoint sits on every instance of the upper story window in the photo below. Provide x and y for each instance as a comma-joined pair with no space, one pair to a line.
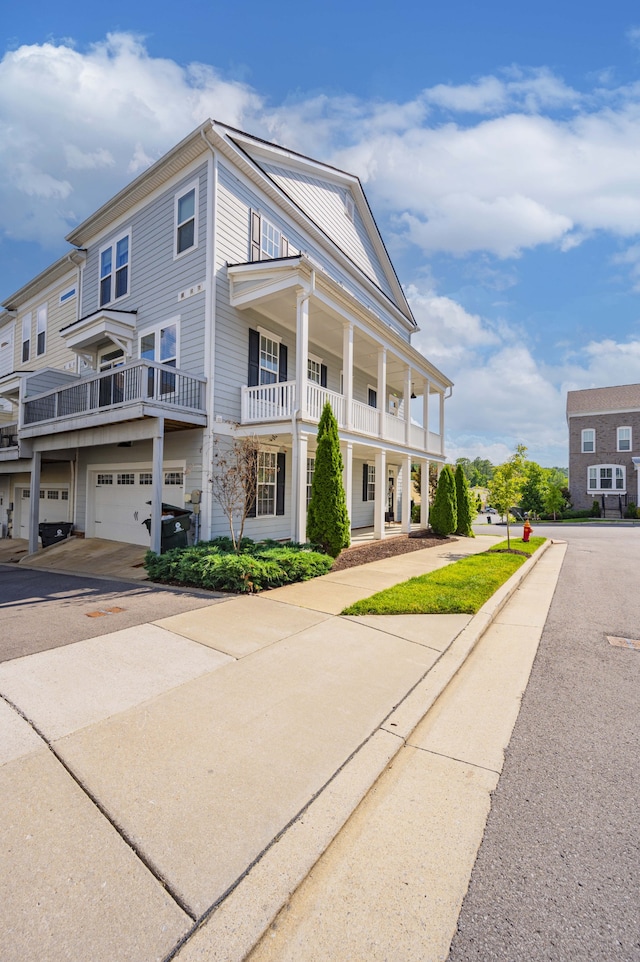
372,397
588,441
624,439
41,330
314,367
186,220
161,344
26,338
269,359
114,269
266,240
607,477
67,295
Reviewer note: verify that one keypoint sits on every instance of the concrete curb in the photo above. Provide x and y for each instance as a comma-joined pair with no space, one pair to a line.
233,926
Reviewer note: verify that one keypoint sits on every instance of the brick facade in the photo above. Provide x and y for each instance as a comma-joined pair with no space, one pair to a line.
606,452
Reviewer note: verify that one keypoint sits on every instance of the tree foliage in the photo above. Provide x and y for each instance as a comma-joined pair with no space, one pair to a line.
443,516
477,472
506,485
553,499
465,505
533,489
327,517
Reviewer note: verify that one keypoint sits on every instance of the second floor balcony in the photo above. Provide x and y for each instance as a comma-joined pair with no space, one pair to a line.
138,389
276,402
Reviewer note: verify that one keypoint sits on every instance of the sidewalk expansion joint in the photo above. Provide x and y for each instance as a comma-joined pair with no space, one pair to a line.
148,864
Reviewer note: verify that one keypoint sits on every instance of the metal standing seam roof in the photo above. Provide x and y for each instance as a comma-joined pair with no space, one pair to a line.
599,400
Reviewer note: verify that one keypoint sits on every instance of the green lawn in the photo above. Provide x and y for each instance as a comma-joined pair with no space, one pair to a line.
458,588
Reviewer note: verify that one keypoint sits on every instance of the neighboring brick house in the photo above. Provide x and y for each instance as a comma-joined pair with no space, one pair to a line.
604,447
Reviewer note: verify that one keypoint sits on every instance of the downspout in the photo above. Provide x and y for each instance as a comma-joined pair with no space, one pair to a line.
209,339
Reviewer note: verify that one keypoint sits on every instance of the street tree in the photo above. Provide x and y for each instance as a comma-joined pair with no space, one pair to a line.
506,485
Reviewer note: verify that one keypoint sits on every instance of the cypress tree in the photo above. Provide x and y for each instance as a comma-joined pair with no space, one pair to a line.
327,518
443,515
464,506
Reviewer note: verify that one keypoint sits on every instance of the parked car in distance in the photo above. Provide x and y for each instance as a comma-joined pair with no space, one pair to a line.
489,510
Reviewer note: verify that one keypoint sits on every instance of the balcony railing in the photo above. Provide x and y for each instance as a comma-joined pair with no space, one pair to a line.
8,436
276,402
139,381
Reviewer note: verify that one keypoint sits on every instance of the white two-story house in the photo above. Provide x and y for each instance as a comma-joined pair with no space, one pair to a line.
232,288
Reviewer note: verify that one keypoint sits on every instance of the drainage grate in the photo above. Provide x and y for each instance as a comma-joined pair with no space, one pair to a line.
623,642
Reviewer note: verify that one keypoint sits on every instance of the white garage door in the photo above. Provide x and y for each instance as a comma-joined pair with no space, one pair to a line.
54,506
120,502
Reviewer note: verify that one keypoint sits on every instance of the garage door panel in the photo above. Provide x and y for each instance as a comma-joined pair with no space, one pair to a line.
120,502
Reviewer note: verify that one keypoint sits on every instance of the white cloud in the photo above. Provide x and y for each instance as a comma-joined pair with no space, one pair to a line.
530,91
447,333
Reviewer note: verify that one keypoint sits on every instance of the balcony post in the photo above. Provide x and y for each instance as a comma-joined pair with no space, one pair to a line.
34,502
425,413
407,405
347,372
380,494
424,494
382,388
302,352
406,495
156,490
347,476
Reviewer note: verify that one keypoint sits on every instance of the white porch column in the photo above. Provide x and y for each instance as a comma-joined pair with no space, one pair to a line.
381,494
406,495
302,352
425,413
424,494
347,476
299,489
441,422
156,490
347,371
407,405
382,388
34,501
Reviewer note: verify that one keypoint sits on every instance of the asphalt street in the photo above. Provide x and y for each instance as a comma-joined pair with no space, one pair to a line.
40,610
556,877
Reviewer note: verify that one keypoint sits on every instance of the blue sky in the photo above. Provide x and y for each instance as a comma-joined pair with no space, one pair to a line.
499,148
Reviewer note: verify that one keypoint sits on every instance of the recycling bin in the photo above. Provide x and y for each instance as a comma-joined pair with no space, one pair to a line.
51,532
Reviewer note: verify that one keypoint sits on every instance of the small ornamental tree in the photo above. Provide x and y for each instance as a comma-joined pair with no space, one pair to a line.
506,485
443,516
327,517
553,499
465,504
234,481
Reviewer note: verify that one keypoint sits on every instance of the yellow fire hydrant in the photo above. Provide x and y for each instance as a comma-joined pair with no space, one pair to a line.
526,531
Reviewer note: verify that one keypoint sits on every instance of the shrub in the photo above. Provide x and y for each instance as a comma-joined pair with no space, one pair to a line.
443,516
464,505
327,517
215,565
631,510
415,513
595,508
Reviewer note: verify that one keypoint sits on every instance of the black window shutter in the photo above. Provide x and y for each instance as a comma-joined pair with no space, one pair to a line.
373,398
254,358
280,480
256,223
323,375
365,482
282,363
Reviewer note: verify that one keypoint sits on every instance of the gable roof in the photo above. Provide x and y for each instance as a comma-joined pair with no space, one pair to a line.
278,172
601,400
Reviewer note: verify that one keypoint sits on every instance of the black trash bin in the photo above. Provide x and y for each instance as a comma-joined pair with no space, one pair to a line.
51,532
174,531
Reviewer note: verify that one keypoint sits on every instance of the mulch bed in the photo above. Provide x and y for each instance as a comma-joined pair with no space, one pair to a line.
362,554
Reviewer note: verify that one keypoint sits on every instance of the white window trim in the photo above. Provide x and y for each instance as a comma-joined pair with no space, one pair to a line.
156,329
624,427
371,483
273,484
67,295
582,447
612,490
41,328
113,245
316,360
26,328
194,185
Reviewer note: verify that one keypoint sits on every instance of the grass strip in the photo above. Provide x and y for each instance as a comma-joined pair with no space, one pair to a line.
458,588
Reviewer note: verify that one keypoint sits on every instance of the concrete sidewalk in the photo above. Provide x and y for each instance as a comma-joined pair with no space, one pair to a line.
177,781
